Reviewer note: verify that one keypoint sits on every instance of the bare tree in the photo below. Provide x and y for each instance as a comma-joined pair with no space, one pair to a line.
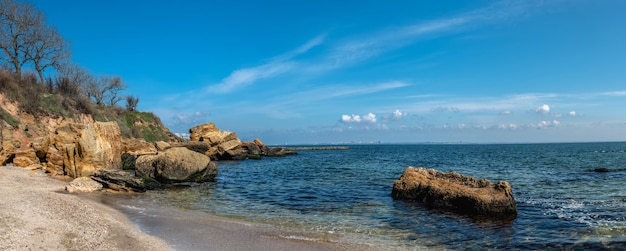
25,37
105,90
131,103
47,49
75,73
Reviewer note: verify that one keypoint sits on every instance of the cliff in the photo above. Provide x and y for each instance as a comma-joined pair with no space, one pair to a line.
69,142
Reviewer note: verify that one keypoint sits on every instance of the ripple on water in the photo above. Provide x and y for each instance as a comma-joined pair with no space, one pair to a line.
345,196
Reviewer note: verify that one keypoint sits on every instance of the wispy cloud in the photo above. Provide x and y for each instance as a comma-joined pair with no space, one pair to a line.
276,66
354,49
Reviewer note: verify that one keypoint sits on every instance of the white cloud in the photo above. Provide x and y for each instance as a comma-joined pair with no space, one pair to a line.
397,114
509,126
546,124
572,114
369,118
507,112
544,109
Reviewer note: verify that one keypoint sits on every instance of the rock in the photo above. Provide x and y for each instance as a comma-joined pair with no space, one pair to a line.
7,145
55,162
177,164
34,167
237,153
119,180
601,170
279,152
145,166
83,185
85,148
203,147
252,150
263,147
162,146
455,192
25,157
138,147
211,134
40,145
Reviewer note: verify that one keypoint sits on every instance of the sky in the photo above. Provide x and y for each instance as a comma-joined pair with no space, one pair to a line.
317,72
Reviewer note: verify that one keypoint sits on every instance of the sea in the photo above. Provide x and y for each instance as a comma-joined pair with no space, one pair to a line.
345,196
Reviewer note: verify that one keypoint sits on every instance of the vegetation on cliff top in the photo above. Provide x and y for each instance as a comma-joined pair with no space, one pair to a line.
31,49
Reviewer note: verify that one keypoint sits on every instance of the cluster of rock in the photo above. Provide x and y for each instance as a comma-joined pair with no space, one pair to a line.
456,192
97,150
73,149
225,145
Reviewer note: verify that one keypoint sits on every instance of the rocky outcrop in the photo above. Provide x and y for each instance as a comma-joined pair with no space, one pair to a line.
455,192
82,149
223,145
177,164
7,145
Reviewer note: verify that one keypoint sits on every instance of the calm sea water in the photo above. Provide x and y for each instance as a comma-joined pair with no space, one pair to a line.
345,196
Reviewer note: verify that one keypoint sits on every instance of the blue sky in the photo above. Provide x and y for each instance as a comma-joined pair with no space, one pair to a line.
292,72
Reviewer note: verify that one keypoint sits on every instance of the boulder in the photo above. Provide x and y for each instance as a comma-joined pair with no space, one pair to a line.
177,164
263,147
119,180
83,185
211,134
252,150
455,192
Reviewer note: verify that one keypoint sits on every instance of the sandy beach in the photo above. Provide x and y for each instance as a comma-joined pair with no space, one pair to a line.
37,214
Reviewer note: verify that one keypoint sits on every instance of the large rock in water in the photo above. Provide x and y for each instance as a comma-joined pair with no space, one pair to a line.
177,164
455,192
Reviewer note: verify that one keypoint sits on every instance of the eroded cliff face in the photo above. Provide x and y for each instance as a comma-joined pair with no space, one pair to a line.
73,149
76,146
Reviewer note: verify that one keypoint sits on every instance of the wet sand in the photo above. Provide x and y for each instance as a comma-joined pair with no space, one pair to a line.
37,214
193,230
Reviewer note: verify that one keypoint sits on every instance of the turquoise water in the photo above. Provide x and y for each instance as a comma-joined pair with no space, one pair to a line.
345,196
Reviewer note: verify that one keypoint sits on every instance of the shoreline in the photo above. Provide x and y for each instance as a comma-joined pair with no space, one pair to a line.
36,213
195,230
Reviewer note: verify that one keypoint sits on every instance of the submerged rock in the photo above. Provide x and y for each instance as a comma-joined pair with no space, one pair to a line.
601,170
455,192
